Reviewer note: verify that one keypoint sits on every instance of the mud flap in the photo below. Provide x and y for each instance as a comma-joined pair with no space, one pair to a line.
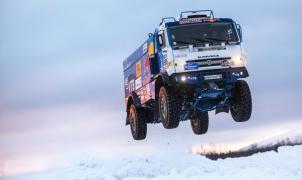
221,109
127,119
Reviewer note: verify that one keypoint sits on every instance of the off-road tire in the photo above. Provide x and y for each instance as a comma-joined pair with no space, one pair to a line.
200,122
241,110
168,108
138,124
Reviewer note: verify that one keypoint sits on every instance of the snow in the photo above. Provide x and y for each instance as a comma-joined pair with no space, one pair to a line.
287,164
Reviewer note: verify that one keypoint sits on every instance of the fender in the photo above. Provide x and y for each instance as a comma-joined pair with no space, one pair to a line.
164,77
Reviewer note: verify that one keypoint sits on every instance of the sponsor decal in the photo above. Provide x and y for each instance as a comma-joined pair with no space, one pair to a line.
146,76
165,56
170,63
145,94
163,62
126,84
190,21
197,20
147,62
131,85
164,65
181,56
191,66
208,56
138,69
212,77
145,47
138,83
152,89
151,50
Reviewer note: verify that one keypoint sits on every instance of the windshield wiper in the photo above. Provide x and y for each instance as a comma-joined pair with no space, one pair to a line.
216,39
203,40
184,42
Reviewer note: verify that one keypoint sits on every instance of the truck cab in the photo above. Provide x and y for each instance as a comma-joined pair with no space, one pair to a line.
185,69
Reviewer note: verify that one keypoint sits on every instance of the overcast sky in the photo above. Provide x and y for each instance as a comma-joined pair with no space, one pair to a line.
61,79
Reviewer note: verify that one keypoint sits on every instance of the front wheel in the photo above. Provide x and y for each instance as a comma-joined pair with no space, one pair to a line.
241,110
168,108
138,124
200,122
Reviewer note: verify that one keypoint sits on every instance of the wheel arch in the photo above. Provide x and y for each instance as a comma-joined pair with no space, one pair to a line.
132,99
161,79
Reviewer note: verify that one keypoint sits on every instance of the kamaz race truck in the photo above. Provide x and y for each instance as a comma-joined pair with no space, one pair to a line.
185,69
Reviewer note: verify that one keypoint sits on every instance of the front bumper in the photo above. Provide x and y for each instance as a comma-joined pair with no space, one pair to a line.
208,93
226,75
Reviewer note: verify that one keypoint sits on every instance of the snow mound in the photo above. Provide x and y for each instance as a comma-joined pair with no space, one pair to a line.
217,152
283,165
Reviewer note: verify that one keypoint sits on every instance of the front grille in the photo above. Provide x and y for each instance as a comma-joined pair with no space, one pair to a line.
210,62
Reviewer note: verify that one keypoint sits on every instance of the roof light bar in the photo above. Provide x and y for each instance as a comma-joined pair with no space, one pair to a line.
193,13
166,19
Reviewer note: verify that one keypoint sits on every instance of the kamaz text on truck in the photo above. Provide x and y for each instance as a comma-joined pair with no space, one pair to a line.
185,69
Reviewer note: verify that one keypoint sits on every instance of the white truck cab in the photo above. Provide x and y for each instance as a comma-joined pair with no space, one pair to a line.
198,41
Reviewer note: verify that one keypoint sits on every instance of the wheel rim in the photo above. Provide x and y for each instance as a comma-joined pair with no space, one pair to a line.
163,107
132,118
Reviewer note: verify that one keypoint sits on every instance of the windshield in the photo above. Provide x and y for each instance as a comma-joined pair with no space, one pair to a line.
202,33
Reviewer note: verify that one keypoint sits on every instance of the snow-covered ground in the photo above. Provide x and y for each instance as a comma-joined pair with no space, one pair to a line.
60,153
287,164
70,148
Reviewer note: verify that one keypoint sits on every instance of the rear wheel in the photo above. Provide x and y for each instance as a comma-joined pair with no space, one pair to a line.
242,108
200,122
168,108
138,124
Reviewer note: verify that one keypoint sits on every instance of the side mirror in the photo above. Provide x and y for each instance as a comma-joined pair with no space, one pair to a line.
160,40
239,30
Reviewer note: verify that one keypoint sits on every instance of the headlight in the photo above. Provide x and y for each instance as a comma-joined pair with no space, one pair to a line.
183,78
182,63
238,60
